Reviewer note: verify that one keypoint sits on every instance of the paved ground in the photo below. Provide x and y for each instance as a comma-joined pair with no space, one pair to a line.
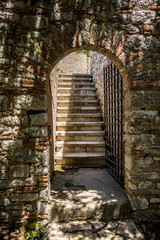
93,230
87,193
82,203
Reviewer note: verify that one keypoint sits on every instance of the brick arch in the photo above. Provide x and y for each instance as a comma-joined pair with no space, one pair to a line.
33,40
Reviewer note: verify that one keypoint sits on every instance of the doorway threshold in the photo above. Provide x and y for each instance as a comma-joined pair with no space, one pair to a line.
86,193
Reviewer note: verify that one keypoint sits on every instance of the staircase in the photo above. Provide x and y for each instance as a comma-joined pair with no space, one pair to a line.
79,130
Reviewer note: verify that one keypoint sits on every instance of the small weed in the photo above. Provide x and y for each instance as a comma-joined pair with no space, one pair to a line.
60,70
34,231
85,52
60,170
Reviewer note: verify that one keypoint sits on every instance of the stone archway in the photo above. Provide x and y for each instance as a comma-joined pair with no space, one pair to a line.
33,40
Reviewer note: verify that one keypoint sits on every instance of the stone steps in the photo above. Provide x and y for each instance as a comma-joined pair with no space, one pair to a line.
74,84
81,126
79,109
80,135
76,117
65,103
82,90
79,129
80,146
76,96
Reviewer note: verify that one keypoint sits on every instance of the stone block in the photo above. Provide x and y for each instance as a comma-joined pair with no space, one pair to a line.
139,203
42,208
128,230
143,16
44,157
25,121
11,121
25,197
41,171
4,201
3,172
155,200
3,103
9,17
36,131
44,195
28,156
10,144
144,185
145,98
39,119
19,171
146,139
158,185
35,22
143,115
5,184
29,102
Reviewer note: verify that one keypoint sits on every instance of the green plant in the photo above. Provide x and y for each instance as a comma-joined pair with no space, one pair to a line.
85,52
60,70
34,231
34,45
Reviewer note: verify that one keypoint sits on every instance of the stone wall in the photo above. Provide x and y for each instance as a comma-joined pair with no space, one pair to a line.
75,63
32,41
97,63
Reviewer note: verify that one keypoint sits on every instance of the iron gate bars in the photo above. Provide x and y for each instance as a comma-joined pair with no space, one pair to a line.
113,118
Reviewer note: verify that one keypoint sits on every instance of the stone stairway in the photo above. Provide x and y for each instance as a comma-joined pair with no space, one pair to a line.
85,202
79,130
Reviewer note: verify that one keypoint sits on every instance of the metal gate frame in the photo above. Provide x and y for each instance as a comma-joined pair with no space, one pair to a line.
114,125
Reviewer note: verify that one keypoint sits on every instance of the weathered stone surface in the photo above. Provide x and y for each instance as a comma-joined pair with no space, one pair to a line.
129,230
36,131
8,144
4,201
9,17
44,195
38,119
139,203
29,102
19,171
146,98
25,197
11,121
3,103
35,22
143,16
28,156
144,185
44,157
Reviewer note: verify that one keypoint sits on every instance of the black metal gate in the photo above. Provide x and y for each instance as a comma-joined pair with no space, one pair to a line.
113,117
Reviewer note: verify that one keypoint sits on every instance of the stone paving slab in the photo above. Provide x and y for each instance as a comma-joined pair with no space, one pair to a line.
87,193
92,230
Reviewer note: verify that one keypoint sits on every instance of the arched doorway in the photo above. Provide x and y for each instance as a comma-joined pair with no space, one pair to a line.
34,45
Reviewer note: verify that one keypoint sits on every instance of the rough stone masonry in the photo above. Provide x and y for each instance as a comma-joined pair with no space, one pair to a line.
32,40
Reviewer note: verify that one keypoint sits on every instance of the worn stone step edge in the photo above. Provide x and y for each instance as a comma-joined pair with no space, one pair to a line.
81,132
60,143
79,115
79,155
78,123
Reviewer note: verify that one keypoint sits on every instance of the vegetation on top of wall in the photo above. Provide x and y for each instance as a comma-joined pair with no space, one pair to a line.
85,52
